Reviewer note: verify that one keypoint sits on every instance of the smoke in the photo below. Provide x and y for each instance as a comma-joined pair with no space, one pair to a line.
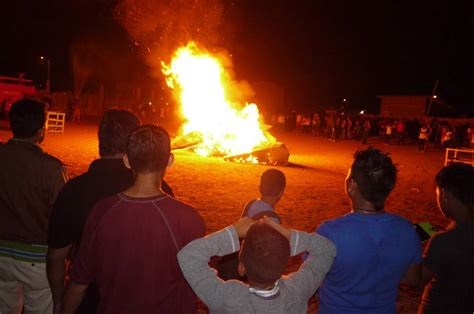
159,27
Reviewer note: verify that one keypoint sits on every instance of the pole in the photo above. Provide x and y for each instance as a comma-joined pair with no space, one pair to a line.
431,98
48,82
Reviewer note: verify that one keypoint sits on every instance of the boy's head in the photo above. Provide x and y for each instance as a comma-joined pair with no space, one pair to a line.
148,149
272,183
114,130
27,119
264,255
454,187
371,177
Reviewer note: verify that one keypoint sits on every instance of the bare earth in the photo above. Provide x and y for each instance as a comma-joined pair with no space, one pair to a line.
315,178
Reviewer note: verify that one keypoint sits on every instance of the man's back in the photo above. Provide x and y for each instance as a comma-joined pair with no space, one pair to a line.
374,251
30,181
129,247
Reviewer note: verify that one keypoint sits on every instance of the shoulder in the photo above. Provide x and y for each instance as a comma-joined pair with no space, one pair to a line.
399,221
103,206
75,184
50,160
178,208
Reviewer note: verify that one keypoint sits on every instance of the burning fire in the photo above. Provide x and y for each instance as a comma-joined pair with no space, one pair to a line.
223,129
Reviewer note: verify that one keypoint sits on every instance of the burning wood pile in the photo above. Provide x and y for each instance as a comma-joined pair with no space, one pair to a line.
215,126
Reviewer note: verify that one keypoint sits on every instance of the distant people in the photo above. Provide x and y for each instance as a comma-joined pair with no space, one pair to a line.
375,249
272,186
400,132
388,133
264,255
130,240
423,138
449,257
30,180
106,176
447,140
76,111
366,131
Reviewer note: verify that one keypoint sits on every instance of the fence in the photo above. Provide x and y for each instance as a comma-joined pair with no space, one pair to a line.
55,122
465,156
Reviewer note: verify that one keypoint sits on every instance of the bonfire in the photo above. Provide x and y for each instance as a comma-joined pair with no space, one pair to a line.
214,124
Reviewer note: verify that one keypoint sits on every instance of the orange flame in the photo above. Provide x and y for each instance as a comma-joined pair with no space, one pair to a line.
224,129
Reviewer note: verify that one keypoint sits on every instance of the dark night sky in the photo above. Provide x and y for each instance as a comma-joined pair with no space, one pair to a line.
319,51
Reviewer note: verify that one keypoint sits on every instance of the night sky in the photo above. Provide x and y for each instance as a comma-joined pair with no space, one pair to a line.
319,51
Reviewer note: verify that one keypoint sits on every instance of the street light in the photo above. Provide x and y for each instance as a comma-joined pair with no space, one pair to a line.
48,82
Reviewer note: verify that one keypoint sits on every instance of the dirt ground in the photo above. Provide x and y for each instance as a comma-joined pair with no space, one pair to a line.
314,193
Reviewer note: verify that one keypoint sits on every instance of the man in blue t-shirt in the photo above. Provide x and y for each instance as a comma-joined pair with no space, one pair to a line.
375,249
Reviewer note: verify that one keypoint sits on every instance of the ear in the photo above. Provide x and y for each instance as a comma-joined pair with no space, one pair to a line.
170,161
126,162
352,186
241,269
445,196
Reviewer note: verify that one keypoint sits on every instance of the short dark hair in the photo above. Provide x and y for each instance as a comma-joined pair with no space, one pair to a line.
27,116
265,253
375,175
457,178
114,129
148,148
272,182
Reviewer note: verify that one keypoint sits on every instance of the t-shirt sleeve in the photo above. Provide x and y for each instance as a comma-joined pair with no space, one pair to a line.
194,227
58,177
325,231
61,229
433,255
84,266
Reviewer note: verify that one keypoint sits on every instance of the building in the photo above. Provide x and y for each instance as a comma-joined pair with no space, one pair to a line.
403,106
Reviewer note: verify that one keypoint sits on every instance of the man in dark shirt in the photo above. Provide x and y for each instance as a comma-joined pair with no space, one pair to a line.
449,257
131,239
30,180
106,176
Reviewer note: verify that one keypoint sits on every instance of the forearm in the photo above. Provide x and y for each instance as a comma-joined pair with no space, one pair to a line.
73,298
193,260
321,256
56,271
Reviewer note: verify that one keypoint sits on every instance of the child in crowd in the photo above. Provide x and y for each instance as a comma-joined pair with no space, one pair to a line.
272,186
263,257
449,257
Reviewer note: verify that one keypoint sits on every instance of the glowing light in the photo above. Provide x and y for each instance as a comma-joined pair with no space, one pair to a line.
435,96
225,128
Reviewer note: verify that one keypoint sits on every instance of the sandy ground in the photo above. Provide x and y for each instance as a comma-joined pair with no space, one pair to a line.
315,178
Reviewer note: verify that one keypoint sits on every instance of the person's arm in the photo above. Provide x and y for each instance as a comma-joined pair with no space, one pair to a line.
194,257
412,276
56,272
321,254
73,298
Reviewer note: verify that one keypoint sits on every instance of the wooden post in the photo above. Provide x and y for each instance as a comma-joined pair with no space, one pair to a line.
431,98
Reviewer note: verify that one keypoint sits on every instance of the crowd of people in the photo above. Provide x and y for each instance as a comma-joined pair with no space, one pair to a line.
116,240
338,127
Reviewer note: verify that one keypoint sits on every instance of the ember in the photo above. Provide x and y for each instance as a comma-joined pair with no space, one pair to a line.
215,125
